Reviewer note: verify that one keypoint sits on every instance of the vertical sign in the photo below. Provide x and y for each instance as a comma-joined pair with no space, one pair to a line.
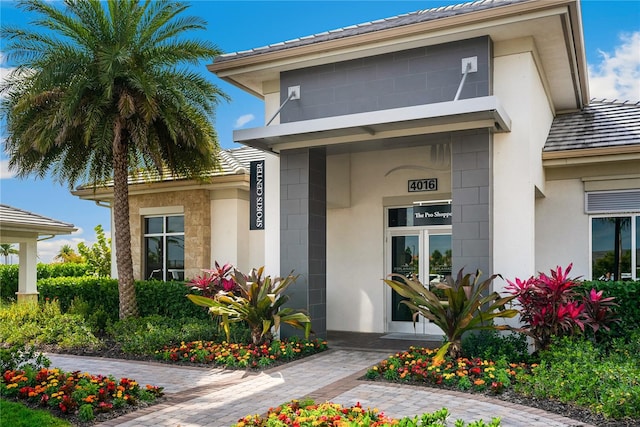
256,202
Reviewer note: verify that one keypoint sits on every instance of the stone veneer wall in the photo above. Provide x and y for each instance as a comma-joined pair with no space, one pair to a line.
197,227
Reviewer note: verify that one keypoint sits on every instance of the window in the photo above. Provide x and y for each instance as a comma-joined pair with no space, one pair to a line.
164,247
615,247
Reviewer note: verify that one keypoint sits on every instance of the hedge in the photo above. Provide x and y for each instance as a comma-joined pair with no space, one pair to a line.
627,296
154,297
9,275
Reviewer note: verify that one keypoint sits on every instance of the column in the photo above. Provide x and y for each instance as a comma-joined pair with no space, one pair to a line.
471,234
303,225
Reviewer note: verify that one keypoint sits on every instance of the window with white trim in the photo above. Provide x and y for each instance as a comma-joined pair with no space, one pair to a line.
615,234
164,247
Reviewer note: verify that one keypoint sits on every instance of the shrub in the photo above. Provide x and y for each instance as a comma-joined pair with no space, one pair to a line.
96,317
94,292
214,281
551,306
145,335
98,256
9,276
627,295
467,306
166,299
574,371
493,345
44,324
258,301
21,356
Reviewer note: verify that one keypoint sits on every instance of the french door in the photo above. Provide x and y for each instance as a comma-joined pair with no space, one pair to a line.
422,253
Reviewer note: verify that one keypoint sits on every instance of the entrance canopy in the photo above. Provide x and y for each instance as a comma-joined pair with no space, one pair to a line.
26,229
475,113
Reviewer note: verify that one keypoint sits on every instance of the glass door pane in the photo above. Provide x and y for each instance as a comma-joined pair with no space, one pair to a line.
154,258
175,258
405,260
439,259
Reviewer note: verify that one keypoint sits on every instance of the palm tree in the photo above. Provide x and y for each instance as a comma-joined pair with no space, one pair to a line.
105,91
68,254
7,249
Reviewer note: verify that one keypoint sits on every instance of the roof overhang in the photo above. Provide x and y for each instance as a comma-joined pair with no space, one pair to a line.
554,25
104,194
16,232
17,225
466,114
591,156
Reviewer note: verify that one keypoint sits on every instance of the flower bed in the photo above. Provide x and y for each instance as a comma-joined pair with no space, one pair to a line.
302,414
71,393
418,365
240,356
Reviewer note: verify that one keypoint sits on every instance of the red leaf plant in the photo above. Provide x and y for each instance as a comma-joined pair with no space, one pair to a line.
550,306
214,281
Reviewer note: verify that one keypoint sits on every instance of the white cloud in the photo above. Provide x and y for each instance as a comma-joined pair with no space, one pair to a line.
243,120
4,73
617,76
48,249
5,173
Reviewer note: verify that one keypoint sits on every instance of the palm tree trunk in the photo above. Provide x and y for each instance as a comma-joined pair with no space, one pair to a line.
126,289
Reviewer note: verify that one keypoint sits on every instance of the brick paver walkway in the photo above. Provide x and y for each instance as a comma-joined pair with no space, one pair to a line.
218,398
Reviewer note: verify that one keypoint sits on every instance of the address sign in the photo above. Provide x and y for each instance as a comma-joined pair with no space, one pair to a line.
427,184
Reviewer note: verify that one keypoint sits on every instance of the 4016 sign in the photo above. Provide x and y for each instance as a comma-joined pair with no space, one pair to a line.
428,184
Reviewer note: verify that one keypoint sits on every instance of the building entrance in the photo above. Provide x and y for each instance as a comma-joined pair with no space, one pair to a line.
416,251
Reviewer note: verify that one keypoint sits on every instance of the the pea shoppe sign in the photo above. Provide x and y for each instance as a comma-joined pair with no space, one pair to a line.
420,215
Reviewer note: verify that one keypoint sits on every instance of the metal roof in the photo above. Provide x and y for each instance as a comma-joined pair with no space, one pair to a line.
600,124
14,219
372,26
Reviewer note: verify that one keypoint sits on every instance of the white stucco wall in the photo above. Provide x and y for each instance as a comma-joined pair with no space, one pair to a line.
517,164
562,228
356,295
271,234
231,240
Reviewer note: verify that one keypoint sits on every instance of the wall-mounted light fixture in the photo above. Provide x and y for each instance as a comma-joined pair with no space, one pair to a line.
293,93
469,65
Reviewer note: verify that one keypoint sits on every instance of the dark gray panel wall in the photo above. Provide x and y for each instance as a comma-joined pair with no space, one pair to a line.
471,179
303,236
412,77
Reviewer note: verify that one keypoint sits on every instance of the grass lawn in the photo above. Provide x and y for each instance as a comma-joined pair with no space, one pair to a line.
17,415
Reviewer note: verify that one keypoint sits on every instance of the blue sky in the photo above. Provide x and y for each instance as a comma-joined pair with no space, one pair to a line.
611,33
